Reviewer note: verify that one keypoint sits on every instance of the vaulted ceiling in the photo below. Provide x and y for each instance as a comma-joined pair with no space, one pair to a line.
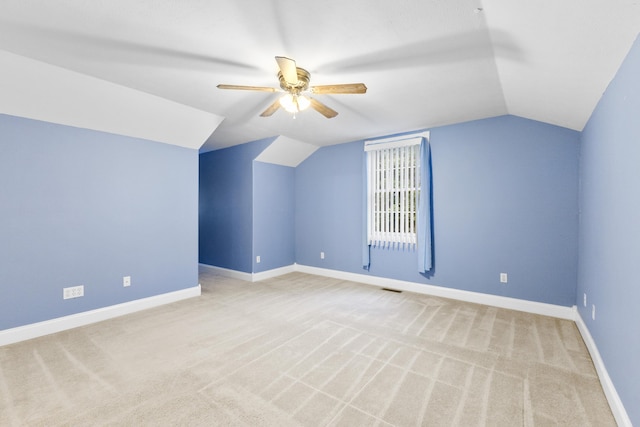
426,63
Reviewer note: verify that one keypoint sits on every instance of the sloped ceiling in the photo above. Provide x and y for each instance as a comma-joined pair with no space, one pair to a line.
425,62
37,90
285,151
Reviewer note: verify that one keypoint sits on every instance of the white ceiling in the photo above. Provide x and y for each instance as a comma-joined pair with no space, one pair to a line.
425,62
285,151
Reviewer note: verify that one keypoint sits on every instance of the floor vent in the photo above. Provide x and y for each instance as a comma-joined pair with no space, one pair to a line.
392,290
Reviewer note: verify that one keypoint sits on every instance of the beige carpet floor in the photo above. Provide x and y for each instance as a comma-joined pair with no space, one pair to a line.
306,350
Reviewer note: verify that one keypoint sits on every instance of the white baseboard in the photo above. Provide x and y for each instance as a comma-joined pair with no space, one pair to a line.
269,274
544,309
34,330
620,414
233,274
251,277
457,294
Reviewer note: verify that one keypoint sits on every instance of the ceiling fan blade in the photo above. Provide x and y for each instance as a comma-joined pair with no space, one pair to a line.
271,109
323,109
258,88
288,69
348,88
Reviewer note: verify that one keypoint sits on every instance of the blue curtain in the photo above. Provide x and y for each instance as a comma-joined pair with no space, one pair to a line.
366,248
425,258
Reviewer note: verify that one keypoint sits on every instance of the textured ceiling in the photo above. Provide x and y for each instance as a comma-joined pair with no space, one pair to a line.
425,62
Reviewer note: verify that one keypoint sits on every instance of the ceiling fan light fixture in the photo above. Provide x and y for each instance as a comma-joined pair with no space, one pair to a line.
294,103
303,102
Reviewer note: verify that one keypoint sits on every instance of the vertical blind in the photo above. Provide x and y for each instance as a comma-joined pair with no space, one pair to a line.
393,191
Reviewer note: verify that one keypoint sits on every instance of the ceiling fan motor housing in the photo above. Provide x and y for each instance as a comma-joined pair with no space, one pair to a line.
302,84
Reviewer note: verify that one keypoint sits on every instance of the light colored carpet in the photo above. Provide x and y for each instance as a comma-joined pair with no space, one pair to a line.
306,350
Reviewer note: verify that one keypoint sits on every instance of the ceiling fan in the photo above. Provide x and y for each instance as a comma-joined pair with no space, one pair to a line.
294,81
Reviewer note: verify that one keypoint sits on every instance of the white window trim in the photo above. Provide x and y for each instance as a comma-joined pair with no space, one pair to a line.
394,143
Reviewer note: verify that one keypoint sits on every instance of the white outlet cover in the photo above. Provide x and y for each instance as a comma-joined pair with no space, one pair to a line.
73,292
126,281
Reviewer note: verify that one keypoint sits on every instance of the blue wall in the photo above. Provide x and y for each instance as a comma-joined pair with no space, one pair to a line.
273,216
226,206
610,230
80,207
505,196
328,212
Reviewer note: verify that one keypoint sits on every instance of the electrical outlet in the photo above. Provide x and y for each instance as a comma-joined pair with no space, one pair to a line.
321,255
258,259
584,299
593,312
503,277
126,281
73,292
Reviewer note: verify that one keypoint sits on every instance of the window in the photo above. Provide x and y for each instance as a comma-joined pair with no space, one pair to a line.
397,209
393,183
